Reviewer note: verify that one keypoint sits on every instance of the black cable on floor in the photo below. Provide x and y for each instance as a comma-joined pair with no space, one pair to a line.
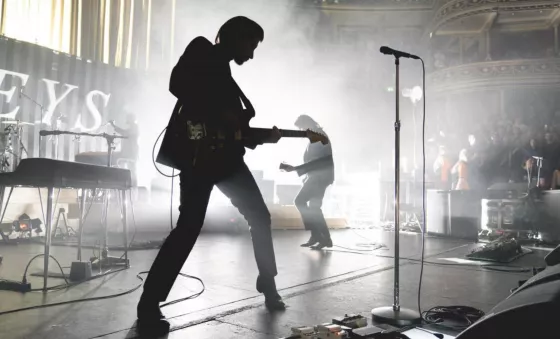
24,280
489,267
72,284
374,247
461,316
192,296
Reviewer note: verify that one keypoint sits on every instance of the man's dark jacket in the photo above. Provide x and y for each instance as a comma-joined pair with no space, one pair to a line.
205,91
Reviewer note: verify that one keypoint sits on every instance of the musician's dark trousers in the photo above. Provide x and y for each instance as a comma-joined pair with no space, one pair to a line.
240,187
309,201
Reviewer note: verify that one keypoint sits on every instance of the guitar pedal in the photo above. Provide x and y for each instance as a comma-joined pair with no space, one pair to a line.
329,331
351,320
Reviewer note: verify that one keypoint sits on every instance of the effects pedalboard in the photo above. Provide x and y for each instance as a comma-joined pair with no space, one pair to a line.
349,326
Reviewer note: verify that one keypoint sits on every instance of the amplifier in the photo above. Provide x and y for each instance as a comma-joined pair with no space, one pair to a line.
502,214
454,214
550,229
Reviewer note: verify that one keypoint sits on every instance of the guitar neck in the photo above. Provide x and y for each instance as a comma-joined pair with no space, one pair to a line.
285,133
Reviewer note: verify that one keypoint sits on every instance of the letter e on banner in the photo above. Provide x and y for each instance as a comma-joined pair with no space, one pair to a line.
10,93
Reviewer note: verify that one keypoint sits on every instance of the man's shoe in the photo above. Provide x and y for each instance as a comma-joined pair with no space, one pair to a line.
152,328
322,244
274,303
312,241
151,322
272,300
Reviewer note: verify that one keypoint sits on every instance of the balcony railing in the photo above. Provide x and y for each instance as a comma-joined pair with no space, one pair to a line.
371,4
452,10
479,76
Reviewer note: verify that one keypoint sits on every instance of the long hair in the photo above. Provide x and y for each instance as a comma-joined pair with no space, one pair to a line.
306,120
239,28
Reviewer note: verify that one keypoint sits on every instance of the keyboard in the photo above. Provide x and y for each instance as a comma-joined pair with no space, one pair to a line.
40,172
92,158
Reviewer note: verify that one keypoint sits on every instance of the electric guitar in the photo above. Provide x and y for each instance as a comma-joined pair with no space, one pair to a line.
188,145
263,133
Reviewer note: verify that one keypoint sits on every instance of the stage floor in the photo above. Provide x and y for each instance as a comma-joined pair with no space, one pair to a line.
316,285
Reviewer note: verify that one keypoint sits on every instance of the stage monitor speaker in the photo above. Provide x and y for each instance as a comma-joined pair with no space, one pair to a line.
454,214
530,312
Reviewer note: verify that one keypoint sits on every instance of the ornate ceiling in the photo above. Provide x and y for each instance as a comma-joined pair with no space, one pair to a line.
475,16
443,17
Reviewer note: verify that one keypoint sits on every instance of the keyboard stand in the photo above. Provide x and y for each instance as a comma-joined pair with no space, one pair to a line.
106,260
61,174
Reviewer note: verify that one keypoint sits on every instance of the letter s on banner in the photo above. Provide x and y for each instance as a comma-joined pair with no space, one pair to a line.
93,110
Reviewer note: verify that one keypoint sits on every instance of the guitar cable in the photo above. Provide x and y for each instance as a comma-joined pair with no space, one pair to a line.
154,157
438,315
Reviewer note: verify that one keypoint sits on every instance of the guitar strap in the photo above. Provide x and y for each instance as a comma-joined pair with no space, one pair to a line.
248,106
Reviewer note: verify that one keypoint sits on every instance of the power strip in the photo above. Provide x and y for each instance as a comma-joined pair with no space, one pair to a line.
14,286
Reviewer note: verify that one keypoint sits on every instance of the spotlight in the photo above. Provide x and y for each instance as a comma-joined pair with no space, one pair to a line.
25,224
414,94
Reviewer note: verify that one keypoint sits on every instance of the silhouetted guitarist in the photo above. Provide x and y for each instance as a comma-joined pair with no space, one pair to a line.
207,119
318,172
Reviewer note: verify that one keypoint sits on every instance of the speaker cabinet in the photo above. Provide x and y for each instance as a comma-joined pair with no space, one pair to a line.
454,214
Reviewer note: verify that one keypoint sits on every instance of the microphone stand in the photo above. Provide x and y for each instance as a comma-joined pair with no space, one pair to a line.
539,166
42,114
396,315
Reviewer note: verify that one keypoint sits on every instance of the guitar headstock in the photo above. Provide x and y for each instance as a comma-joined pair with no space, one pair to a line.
316,137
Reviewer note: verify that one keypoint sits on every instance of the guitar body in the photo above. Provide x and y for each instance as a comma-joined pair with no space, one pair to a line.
189,146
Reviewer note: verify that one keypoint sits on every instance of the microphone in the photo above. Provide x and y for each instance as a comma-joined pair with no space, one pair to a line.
45,132
397,54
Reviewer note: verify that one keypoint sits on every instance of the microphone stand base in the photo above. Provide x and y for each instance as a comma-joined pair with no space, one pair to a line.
402,317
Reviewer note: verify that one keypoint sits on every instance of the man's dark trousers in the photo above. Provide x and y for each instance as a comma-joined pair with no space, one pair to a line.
240,187
309,201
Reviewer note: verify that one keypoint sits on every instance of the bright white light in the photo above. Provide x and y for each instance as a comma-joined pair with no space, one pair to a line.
414,94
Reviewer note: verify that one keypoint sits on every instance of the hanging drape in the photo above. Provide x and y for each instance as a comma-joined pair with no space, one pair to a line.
116,32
